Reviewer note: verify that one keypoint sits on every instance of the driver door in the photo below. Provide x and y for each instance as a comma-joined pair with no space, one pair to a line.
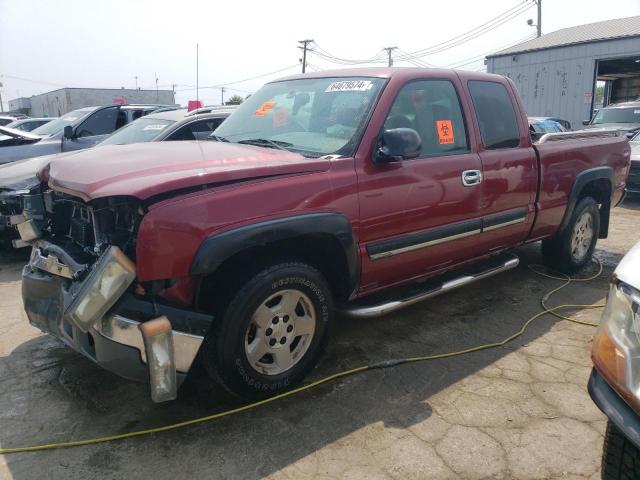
423,214
95,128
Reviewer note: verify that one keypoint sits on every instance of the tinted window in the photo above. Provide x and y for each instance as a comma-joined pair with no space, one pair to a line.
102,122
432,108
199,130
495,113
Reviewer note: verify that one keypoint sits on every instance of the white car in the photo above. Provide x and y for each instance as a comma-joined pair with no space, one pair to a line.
614,385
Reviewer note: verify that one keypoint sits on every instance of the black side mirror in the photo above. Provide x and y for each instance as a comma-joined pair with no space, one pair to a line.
585,122
68,132
398,144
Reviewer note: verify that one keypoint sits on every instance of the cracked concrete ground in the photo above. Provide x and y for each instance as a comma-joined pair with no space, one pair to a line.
516,412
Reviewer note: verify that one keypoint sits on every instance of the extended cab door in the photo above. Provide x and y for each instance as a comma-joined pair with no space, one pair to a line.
508,164
95,128
421,215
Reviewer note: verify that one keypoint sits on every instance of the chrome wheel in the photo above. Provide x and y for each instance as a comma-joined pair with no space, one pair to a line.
582,237
280,332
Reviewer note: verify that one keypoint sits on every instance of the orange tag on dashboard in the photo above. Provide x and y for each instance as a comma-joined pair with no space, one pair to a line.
265,108
445,132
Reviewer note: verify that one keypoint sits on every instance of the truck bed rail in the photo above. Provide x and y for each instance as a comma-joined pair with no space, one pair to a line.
581,134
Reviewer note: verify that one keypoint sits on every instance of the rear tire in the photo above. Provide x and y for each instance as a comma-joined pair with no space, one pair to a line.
620,457
571,249
272,332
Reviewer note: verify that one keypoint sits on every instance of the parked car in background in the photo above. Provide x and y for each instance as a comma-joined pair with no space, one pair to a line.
29,124
18,179
633,180
359,190
614,385
168,126
623,116
75,130
538,126
6,119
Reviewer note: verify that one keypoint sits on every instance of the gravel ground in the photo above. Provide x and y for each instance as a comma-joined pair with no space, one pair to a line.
521,411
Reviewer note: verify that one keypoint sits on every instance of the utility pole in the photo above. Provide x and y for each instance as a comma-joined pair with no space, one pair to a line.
136,77
304,48
1,106
389,50
539,26
221,95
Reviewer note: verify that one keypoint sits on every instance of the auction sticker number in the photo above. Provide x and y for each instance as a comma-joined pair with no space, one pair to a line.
350,86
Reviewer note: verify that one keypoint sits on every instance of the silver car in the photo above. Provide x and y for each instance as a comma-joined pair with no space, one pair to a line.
29,124
76,130
170,126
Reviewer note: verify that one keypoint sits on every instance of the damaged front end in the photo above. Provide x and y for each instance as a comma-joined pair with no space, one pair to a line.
80,285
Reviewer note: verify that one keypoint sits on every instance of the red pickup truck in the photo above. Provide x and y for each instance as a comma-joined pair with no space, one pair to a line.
359,191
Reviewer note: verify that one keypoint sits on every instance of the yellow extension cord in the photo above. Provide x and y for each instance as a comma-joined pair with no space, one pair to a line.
335,376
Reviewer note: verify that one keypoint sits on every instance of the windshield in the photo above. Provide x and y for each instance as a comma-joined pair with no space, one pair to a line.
617,115
142,130
312,116
58,124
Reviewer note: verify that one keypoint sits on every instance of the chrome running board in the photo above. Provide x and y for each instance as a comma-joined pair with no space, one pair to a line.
378,305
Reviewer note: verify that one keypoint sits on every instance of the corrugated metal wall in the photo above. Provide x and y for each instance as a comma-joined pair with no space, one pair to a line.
560,81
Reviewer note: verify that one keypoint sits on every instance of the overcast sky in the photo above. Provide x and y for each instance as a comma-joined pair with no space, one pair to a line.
48,44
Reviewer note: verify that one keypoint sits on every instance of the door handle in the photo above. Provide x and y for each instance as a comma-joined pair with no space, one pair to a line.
471,177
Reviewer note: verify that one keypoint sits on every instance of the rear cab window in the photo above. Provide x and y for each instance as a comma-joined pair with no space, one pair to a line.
496,114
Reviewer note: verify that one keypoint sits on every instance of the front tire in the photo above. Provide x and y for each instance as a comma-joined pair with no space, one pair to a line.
272,332
620,457
571,249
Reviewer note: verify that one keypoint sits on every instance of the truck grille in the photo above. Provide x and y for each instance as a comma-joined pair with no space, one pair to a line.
92,226
81,232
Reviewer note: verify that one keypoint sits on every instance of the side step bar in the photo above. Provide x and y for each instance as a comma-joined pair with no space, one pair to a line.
378,305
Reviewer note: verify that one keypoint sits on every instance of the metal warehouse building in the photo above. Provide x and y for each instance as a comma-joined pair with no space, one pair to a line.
64,100
556,74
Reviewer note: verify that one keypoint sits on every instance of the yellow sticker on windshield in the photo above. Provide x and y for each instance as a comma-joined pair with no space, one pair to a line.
265,108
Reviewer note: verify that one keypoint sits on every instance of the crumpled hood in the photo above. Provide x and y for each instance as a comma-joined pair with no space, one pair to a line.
22,174
147,169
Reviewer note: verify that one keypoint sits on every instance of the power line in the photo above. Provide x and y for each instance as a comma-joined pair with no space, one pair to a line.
470,60
474,32
243,80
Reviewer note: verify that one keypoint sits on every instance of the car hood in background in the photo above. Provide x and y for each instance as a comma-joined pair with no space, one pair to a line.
628,270
22,174
147,169
12,132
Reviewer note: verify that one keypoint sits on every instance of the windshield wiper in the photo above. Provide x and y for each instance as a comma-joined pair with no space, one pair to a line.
217,138
265,142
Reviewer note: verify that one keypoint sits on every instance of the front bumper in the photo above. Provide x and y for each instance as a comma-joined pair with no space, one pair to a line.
115,341
614,407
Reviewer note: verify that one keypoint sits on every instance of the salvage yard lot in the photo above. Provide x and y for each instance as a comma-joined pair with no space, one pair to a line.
521,411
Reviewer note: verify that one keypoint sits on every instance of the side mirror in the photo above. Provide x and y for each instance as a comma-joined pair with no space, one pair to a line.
585,122
68,132
398,144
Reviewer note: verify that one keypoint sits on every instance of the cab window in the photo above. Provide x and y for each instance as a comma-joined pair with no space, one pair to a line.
102,122
431,108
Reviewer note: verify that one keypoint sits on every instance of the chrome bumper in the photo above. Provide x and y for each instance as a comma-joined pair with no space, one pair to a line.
51,284
126,332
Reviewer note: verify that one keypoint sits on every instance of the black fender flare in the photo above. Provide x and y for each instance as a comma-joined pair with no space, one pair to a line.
582,179
217,248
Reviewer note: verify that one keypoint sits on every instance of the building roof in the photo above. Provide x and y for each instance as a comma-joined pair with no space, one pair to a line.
591,32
